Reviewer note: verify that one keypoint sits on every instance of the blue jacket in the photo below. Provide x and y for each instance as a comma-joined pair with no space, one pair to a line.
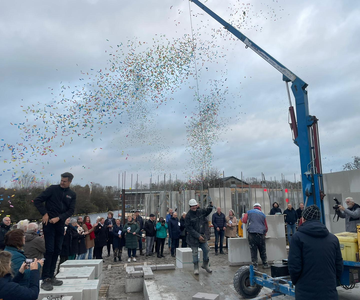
256,221
218,221
315,262
17,259
174,228
161,230
10,289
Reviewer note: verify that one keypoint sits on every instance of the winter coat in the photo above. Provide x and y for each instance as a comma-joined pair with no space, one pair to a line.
107,222
150,228
290,216
161,232
34,245
131,239
219,221
81,242
231,231
3,230
59,202
118,242
174,228
66,245
10,289
195,223
140,222
256,221
182,227
168,217
315,262
17,259
299,212
101,235
75,237
351,216
275,210
89,243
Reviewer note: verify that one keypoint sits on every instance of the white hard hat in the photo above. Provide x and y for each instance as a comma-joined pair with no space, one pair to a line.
257,204
192,202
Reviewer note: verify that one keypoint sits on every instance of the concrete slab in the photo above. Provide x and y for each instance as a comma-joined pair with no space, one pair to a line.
133,284
239,252
148,274
155,291
206,296
76,273
63,298
97,263
276,226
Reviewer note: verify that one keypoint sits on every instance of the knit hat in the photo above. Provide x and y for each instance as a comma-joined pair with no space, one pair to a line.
152,215
312,212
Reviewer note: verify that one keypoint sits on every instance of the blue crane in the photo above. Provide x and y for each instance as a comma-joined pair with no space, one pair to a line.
247,281
303,125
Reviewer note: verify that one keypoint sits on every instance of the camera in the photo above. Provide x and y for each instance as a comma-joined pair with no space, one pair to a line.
163,222
28,261
337,203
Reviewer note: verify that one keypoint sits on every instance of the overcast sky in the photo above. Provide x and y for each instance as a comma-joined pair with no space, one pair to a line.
56,50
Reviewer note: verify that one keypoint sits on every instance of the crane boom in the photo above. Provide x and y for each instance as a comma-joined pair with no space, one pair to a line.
305,128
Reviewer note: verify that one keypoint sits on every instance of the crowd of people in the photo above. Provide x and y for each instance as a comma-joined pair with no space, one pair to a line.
25,253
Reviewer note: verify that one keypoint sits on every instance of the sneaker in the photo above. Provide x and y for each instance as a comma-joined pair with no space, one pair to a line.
265,266
222,252
129,259
134,259
56,282
46,285
172,255
255,265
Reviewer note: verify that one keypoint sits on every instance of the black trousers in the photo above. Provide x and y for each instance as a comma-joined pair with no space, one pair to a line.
160,245
98,252
257,242
54,236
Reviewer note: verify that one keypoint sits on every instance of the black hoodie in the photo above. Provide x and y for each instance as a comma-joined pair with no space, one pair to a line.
315,262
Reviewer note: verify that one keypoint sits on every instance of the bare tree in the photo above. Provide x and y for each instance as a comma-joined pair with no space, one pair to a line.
355,165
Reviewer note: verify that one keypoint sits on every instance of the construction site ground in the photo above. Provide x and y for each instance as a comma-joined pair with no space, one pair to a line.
183,283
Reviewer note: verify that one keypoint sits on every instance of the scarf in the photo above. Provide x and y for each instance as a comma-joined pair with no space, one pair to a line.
92,234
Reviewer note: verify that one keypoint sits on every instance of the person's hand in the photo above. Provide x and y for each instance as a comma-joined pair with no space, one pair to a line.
23,267
224,228
34,265
54,220
342,208
45,219
134,233
41,262
230,225
110,226
201,239
86,232
120,236
218,229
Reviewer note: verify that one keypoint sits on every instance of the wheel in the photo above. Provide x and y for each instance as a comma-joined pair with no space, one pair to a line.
242,283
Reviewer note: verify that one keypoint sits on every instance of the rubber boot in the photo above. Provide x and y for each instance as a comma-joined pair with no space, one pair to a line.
205,266
196,268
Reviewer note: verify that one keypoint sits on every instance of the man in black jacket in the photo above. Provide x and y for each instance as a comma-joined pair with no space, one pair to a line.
300,210
219,223
109,224
315,262
174,232
290,220
195,223
4,228
150,230
59,205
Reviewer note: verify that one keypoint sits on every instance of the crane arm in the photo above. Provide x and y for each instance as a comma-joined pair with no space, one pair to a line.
288,75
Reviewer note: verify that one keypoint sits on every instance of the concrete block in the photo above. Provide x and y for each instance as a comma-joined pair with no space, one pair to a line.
97,263
148,274
206,296
155,291
76,273
153,267
184,258
133,285
136,274
276,226
165,267
129,269
138,268
239,252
